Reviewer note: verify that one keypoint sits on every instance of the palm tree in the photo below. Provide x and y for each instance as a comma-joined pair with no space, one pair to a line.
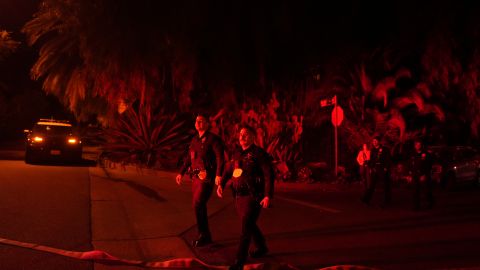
121,61
382,105
116,51
453,71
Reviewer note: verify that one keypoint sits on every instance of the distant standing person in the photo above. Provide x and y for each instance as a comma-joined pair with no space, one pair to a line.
363,159
252,185
206,160
380,165
420,169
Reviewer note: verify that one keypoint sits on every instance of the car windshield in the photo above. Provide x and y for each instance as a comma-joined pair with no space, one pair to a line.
52,129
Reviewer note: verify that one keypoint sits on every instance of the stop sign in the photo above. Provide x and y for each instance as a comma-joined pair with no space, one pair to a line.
337,115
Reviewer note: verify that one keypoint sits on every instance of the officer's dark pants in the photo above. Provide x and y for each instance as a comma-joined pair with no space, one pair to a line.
201,193
427,187
364,175
378,174
248,209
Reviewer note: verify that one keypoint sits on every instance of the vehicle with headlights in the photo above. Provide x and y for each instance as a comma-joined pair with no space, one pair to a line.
52,139
455,165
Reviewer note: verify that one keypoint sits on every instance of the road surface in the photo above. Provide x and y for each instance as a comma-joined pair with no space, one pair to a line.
47,205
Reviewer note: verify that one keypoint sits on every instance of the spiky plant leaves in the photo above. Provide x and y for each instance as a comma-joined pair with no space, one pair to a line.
142,137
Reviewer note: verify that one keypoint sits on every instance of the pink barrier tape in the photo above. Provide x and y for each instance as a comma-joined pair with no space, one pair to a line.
103,257
347,267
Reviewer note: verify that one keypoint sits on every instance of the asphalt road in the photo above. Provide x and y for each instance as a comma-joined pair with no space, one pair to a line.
395,237
309,226
327,225
46,205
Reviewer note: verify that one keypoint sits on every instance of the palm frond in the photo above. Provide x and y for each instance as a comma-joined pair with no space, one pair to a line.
365,80
380,91
7,44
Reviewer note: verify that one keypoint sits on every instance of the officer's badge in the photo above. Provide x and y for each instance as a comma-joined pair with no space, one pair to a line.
237,172
424,156
380,150
202,175
204,139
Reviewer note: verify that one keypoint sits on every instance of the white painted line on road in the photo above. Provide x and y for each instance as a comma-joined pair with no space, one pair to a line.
312,205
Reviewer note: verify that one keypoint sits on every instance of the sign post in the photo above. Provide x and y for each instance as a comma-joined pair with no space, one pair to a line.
337,118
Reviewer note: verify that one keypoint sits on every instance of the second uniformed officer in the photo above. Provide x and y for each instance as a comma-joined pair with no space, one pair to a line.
421,168
205,160
380,167
252,184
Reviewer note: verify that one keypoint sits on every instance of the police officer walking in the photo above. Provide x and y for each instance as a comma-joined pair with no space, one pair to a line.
252,184
420,169
380,166
205,161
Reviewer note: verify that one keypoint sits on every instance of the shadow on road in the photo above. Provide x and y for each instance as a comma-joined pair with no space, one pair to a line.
146,191
59,162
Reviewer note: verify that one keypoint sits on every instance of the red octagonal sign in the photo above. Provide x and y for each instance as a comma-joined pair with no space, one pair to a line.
337,116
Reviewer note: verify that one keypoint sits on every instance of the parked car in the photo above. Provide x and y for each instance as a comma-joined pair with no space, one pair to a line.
52,139
454,165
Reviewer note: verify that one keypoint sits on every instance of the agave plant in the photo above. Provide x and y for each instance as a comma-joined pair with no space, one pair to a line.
285,153
143,137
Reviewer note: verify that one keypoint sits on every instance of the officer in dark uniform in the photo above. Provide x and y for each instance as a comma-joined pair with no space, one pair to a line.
205,162
380,171
420,169
252,182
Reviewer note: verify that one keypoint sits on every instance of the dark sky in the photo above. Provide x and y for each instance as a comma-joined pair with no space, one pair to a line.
322,24
298,32
350,18
14,13
301,30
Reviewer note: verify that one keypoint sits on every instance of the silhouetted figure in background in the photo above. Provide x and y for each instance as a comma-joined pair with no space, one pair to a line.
205,160
420,169
380,161
363,160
